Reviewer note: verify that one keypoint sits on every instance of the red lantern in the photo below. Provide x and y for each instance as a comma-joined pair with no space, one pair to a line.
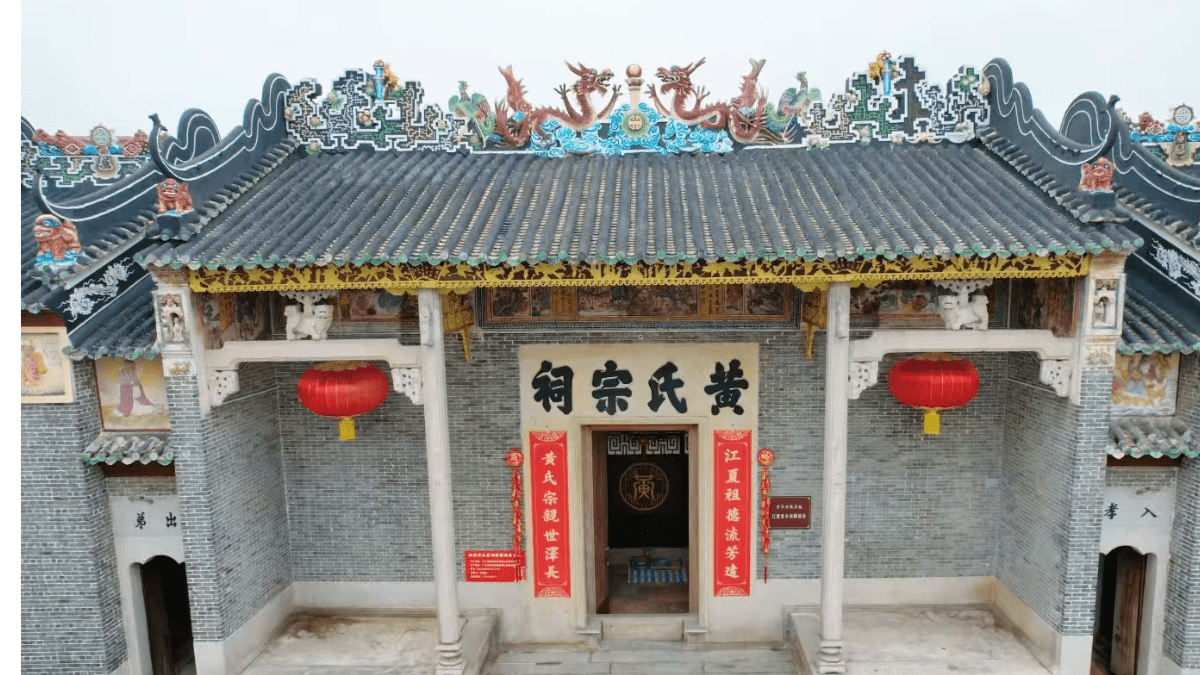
934,382
343,389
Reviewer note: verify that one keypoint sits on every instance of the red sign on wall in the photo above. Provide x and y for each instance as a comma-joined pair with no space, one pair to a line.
790,513
548,510
734,513
504,565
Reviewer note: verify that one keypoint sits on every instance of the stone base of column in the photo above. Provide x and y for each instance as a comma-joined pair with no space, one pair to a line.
831,659
450,658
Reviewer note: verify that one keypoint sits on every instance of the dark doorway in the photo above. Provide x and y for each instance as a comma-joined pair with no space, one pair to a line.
168,616
1119,612
643,504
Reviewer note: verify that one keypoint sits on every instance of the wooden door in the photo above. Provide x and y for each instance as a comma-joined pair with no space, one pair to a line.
1127,619
600,518
157,618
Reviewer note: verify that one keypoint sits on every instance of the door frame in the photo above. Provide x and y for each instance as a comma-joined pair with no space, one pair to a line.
588,480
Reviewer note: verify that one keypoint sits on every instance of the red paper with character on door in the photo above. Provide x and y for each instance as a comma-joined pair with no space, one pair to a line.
548,510
733,512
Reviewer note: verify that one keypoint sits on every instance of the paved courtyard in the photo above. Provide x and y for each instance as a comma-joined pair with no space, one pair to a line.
904,641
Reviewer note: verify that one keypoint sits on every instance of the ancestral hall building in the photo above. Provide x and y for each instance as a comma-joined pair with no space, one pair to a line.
651,364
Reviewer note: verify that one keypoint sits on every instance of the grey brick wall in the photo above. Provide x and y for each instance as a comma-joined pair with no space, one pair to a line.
1053,486
1181,631
359,511
229,475
70,608
150,486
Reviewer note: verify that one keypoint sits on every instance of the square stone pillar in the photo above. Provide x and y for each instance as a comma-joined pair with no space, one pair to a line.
833,495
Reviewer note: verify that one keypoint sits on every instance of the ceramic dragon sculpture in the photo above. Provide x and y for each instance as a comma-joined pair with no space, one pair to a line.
744,116
515,133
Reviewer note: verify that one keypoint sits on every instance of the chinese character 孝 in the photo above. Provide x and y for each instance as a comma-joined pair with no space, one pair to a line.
663,384
553,385
1111,511
607,390
725,387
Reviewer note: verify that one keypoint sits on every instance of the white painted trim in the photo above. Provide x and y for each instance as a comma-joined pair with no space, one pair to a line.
1045,643
1041,342
1169,667
220,365
233,654
235,352
131,553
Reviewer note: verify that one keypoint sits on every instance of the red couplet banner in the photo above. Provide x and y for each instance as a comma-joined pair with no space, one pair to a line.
548,510
734,513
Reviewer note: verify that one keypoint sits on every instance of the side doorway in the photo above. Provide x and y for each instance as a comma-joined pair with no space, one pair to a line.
1120,603
168,616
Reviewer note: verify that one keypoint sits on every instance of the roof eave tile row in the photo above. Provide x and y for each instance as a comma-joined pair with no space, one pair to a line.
1151,437
138,448
755,205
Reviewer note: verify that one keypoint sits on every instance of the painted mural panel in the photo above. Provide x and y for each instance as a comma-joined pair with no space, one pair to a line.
45,370
765,302
133,396
548,498
374,305
733,512
232,316
1144,384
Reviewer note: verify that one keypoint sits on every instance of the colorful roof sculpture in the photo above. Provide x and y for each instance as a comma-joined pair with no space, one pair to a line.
893,168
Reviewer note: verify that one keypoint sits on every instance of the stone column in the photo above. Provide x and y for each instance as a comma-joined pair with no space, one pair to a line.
833,495
441,510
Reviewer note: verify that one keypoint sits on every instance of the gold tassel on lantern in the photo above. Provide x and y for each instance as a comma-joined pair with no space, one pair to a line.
346,430
933,421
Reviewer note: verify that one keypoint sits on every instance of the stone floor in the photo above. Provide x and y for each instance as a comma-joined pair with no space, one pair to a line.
336,644
905,641
934,641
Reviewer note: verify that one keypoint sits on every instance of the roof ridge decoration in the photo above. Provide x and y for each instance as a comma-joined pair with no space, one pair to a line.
99,158
1177,142
891,102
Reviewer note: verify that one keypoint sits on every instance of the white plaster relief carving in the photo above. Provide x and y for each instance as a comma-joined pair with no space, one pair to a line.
221,384
963,310
863,375
407,381
1104,304
178,367
309,319
1099,357
425,318
1057,374
171,327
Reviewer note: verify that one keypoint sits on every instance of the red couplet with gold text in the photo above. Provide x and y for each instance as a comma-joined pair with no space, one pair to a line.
734,513
548,510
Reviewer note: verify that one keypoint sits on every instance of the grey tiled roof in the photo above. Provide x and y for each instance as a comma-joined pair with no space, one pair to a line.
1153,323
128,448
123,329
1151,437
779,203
